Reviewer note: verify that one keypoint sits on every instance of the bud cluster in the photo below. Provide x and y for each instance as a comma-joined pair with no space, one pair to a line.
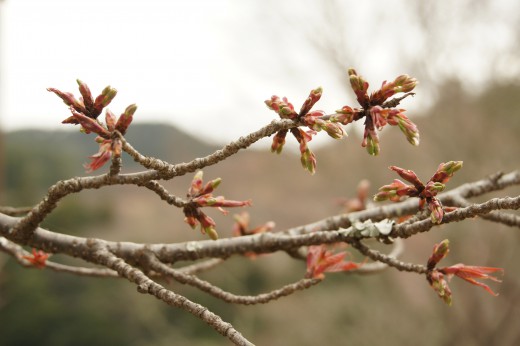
314,120
86,111
200,195
426,193
376,111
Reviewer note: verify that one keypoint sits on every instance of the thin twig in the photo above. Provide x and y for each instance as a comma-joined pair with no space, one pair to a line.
376,267
18,253
164,194
217,292
201,266
389,260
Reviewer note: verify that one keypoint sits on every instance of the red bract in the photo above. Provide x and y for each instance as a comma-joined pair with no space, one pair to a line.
38,258
321,260
376,112
426,193
85,112
472,273
200,195
107,148
314,120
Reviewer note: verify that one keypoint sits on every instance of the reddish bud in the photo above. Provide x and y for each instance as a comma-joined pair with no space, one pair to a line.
89,124
445,171
371,141
196,184
126,118
313,97
409,176
439,285
278,141
88,101
307,158
69,100
282,107
395,191
404,84
360,87
439,252
397,117
103,100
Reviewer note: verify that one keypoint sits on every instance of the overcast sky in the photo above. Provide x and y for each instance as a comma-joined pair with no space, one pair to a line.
207,65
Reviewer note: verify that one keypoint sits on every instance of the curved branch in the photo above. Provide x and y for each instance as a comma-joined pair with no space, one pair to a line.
200,267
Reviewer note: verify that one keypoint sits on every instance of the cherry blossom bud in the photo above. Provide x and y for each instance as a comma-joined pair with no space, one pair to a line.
278,141
88,101
196,184
433,188
126,118
371,142
445,171
282,107
333,129
209,187
409,176
404,84
395,191
439,284
437,213
103,100
313,97
360,87
307,158
89,124
397,117
440,251
69,100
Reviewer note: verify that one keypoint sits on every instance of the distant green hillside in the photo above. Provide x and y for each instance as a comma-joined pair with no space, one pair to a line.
35,159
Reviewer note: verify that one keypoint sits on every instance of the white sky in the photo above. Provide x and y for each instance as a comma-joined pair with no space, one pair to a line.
207,65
